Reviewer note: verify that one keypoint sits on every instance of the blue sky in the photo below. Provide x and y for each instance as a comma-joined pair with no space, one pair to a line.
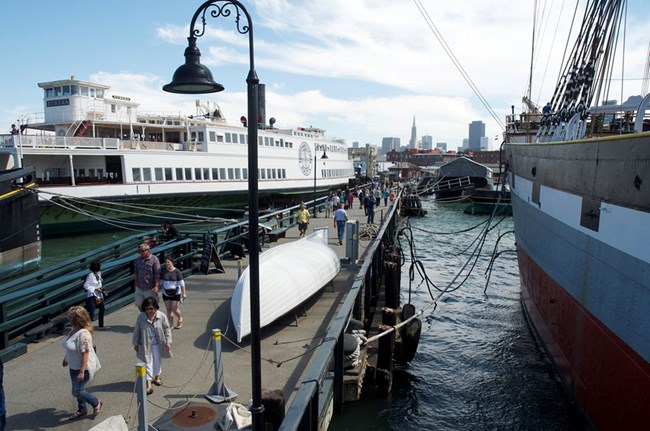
361,69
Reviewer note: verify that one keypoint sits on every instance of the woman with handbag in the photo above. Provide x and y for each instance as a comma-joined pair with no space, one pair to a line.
81,358
152,340
95,292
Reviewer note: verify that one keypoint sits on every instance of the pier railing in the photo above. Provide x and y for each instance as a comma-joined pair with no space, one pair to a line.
322,386
34,305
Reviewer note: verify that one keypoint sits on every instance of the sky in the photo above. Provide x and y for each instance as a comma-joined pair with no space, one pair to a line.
360,69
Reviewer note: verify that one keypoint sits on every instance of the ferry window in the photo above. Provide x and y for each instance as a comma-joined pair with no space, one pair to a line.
234,138
206,173
273,172
179,174
201,137
263,174
137,176
244,173
282,143
92,92
284,173
49,92
113,108
231,174
188,174
91,173
242,139
260,140
168,174
100,173
57,91
268,173
228,138
100,93
66,90
213,136
84,91
146,174
222,173
197,173
219,138
158,173
74,89
215,173
237,174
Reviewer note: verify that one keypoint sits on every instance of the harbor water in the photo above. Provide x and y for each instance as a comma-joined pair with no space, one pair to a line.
478,367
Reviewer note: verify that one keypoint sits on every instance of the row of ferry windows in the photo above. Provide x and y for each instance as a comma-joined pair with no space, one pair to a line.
71,90
240,138
203,174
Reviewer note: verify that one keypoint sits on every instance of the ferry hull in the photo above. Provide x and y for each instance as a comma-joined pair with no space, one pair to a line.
581,222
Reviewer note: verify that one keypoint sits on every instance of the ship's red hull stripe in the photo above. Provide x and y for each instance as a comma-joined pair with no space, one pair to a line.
609,380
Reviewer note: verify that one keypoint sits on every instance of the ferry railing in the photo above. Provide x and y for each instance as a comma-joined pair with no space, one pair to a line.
322,384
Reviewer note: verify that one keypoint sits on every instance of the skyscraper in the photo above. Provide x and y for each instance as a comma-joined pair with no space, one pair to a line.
414,140
476,132
389,143
427,142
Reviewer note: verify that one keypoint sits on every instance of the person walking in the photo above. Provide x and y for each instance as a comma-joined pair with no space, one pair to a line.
329,205
81,359
173,291
147,275
95,292
340,218
371,209
152,340
302,217
385,193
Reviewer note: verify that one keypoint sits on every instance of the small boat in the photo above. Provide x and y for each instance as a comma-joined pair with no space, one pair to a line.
459,176
484,201
20,237
289,275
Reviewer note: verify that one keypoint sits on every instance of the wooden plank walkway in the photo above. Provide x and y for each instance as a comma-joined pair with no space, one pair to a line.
37,387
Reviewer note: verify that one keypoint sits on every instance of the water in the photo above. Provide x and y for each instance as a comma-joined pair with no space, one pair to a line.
477,367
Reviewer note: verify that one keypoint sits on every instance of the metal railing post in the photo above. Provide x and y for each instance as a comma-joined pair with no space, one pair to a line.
141,390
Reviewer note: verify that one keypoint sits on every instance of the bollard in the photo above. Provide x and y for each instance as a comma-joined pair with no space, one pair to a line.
219,392
141,390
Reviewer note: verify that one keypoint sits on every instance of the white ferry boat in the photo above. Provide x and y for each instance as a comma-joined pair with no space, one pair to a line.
99,162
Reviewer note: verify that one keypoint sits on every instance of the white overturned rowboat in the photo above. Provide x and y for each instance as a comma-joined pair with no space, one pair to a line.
289,274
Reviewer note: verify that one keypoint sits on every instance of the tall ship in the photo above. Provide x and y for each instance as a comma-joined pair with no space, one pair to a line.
101,163
579,175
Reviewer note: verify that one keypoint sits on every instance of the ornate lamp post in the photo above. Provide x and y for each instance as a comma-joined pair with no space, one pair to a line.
324,156
194,78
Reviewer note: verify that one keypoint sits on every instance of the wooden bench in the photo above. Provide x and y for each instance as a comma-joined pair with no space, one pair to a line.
56,325
276,234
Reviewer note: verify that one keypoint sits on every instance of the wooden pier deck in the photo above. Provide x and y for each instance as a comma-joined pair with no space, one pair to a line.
37,387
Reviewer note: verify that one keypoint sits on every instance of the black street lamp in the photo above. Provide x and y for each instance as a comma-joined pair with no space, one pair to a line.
324,156
194,78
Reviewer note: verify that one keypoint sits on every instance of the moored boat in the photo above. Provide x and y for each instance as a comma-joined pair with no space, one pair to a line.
20,237
289,275
100,162
581,207
459,177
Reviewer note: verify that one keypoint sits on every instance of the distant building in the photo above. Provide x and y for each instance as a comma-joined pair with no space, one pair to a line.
413,142
355,144
442,146
389,143
427,142
476,132
485,143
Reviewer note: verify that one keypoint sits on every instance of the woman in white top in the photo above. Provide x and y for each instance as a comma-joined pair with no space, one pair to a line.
95,292
80,357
